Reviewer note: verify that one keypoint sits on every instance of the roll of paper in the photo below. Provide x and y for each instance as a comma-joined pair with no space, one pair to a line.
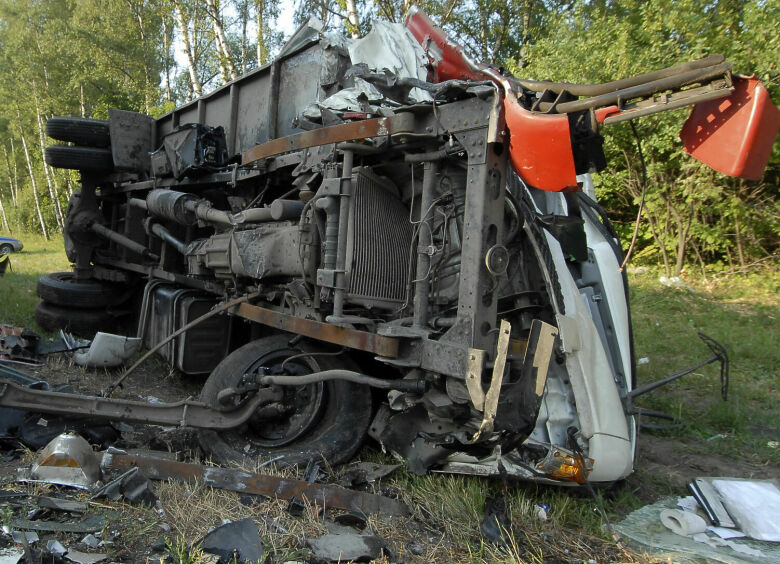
684,523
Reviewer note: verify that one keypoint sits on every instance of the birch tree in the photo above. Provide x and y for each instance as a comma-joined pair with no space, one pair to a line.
224,57
189,52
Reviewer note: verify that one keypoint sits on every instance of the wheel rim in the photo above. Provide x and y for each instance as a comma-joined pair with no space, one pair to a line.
301,406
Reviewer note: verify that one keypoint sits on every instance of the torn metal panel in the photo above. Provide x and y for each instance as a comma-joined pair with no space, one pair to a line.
244,482
107,350
392,46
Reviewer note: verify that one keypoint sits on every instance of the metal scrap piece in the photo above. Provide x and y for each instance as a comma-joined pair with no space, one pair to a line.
238,539
84,557
263,484
89,525
61,504
491,398
474,378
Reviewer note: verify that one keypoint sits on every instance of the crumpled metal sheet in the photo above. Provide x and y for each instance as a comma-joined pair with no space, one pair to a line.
363,97
392,46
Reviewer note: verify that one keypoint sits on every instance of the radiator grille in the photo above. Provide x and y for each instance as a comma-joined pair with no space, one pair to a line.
380,243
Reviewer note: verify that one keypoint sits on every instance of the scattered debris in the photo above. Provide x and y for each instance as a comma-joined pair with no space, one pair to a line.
351,519
239,540
685,523
644,531
67,460
133,486
55,547
88,525
61,504
296,506
753,505
10,555
496,526
22,537
84,557
90,541
541,510
365,473
245,482
105,351
346,547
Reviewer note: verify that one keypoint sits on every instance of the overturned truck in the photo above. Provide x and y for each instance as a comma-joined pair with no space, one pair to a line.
402,243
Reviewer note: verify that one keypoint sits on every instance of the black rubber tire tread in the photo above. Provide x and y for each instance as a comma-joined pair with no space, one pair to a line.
336,437
79,158
78,130
62,288
82,322
6,249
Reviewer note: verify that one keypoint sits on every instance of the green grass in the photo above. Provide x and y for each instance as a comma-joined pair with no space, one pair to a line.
17,287
739,312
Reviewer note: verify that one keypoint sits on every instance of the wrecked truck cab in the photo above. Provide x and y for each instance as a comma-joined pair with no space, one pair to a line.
387,258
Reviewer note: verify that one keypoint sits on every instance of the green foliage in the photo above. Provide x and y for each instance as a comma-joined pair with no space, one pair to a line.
692,214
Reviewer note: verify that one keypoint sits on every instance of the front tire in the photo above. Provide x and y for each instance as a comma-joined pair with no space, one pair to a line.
331,424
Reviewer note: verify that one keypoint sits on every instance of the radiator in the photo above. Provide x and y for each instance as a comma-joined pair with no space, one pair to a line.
379,243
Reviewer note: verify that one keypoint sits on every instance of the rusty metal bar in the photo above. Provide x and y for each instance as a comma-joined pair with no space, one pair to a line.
184,413
352,338
262,484
375,127
645,89
597,89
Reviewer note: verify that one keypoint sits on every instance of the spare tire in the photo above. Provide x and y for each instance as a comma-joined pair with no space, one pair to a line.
62,288
81,131
79,158
82,322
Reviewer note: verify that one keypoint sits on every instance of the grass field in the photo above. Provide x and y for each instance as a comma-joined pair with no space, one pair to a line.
17,287
740,312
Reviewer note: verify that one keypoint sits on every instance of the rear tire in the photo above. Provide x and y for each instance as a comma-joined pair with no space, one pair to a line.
336,434
6,249
79,158
62,288
82,322
81,131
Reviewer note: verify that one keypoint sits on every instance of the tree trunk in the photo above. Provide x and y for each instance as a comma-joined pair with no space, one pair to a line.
82,101
738,237
262,47
11,189
167,57
223,52
243,9
197,88
15,195
32,181
5,218
352,17
55,200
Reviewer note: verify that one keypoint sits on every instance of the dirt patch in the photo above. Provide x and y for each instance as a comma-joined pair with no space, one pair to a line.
666,465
